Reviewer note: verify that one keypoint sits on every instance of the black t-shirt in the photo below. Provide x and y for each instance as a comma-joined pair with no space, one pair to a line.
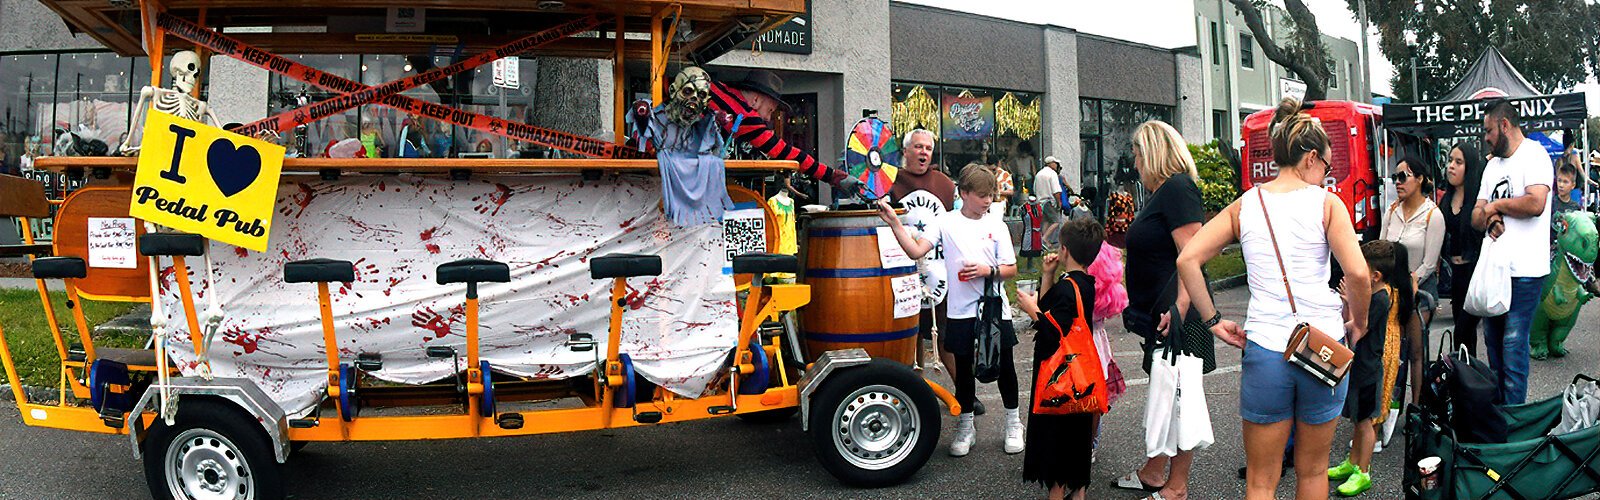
1062,305
1152,255
1460,239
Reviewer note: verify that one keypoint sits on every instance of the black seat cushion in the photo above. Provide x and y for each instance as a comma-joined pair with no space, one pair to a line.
765,263
192,245
624,265
319,271
474,271
59,268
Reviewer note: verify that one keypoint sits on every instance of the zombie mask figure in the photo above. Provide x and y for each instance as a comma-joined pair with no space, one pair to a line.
689,92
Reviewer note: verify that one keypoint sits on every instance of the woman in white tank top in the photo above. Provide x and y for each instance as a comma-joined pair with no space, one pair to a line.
1309,224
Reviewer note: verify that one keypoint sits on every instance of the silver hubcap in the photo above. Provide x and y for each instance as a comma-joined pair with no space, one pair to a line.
876,427
203,465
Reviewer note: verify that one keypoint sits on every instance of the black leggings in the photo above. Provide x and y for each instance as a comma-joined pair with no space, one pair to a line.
1466,327
967,385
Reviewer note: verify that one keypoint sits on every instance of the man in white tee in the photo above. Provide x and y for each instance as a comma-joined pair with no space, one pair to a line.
1514,208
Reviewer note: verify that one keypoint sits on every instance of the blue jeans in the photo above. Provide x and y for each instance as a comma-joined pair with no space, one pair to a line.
1505,338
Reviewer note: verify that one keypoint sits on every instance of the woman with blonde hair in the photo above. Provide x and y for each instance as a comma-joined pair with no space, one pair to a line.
1159,232
1287,228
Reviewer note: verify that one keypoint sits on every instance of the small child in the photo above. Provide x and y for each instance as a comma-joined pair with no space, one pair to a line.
977,245
1377,360
1061,447
1566,182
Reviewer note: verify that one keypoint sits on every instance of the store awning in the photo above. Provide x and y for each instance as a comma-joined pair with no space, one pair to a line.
1465,118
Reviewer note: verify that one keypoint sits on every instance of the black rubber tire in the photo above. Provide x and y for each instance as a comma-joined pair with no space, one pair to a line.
839,385
227,420
770,417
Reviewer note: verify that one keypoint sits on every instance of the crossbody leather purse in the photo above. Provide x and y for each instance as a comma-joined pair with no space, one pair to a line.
1309,348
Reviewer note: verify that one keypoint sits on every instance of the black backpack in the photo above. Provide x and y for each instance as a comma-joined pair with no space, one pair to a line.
1461,390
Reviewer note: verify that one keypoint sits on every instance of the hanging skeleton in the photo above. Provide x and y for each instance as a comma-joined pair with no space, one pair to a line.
177,101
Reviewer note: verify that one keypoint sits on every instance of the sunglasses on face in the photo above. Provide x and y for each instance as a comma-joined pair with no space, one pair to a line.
1400,177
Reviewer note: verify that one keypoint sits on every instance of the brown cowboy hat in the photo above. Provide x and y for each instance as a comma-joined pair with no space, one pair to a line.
766,83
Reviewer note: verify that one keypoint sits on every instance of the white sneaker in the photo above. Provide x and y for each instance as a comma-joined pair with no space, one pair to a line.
966,434
1015,440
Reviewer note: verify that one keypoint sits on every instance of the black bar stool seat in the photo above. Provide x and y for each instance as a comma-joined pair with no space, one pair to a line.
473,271
168,244
624,265
765,263
59,268
319,271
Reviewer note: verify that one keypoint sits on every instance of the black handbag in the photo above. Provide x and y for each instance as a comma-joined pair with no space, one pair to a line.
987,335
1186,333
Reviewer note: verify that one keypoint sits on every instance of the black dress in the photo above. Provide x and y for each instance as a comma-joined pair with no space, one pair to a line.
1060,447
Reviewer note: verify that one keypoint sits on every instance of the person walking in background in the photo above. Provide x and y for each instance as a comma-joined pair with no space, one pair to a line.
1061,447
1287,229
1514,208
1007,187
1462,242
1377,361
1170,218
1047,183
977,249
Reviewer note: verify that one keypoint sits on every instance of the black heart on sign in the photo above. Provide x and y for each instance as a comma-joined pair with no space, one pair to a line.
233,169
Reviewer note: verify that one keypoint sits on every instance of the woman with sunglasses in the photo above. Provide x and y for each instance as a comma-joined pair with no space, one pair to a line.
1415,222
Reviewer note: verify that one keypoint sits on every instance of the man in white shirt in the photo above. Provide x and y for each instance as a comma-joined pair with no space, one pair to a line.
1047,184
1514,208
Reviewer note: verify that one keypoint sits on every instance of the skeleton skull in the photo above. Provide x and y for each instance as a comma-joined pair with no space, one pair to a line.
689,93
184,67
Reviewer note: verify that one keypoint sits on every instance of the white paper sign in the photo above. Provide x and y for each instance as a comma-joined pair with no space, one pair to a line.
890,255
111,243
907,295
744,230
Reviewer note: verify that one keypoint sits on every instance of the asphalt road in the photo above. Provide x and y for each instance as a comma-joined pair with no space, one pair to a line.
721,458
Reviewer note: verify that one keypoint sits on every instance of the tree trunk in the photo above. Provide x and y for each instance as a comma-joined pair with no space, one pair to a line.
1303,62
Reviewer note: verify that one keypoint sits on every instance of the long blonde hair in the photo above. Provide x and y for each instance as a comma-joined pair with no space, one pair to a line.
1164,151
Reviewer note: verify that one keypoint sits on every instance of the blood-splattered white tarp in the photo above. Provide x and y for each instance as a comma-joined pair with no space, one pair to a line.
677,327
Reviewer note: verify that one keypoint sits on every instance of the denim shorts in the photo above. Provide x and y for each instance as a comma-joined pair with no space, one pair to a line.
1272,390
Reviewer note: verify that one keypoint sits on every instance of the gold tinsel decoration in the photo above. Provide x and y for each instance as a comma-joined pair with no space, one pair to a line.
917,110
1021,119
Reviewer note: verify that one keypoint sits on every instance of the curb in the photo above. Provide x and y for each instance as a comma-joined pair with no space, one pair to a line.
1227,283
35,394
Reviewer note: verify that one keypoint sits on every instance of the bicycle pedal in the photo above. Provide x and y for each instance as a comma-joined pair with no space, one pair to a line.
509,421
647,417
721,410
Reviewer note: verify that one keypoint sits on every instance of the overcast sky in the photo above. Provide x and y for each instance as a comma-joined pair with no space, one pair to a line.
1170,24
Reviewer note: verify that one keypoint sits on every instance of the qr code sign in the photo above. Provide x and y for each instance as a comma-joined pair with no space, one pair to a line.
744,231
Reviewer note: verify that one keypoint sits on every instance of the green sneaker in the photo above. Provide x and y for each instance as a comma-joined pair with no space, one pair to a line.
1343,470
1358,483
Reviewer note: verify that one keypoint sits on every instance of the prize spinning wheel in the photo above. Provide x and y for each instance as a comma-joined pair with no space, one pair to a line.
873,156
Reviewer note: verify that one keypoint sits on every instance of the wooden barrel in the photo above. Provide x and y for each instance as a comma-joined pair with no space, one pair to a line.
852,304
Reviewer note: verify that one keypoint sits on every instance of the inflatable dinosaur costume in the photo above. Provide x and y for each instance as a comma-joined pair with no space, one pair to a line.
1564,291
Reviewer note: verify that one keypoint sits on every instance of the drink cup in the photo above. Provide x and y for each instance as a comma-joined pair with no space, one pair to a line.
1027,286
1428,468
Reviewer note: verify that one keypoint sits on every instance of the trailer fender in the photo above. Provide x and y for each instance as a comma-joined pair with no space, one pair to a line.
826,364
241,392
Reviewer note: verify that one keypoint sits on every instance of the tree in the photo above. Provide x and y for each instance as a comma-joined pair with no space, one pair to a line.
1552,42
1304,54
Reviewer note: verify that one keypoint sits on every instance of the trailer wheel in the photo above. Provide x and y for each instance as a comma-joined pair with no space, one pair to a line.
214,452
874,425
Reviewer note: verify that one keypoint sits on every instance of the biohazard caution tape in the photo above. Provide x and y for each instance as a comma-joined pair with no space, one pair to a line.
355,93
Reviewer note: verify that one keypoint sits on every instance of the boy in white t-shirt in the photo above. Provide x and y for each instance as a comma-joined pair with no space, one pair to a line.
1514,208
977,249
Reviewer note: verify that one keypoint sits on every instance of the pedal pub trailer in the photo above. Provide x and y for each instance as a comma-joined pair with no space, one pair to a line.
584,307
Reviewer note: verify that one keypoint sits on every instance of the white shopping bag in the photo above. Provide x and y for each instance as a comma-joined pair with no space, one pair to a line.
1176,417
1489,292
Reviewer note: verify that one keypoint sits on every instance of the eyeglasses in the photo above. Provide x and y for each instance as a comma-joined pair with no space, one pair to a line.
1400,177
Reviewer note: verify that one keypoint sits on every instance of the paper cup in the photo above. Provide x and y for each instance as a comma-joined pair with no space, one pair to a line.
1429,470
1028,286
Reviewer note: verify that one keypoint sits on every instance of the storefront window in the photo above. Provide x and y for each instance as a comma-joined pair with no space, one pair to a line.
92,102
972,130
27,87
1109,135
285,94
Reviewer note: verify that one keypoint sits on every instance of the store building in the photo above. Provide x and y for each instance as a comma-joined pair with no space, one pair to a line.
1240,80
993,90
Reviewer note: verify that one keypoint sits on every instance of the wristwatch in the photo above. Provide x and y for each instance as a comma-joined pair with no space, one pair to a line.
1215,318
